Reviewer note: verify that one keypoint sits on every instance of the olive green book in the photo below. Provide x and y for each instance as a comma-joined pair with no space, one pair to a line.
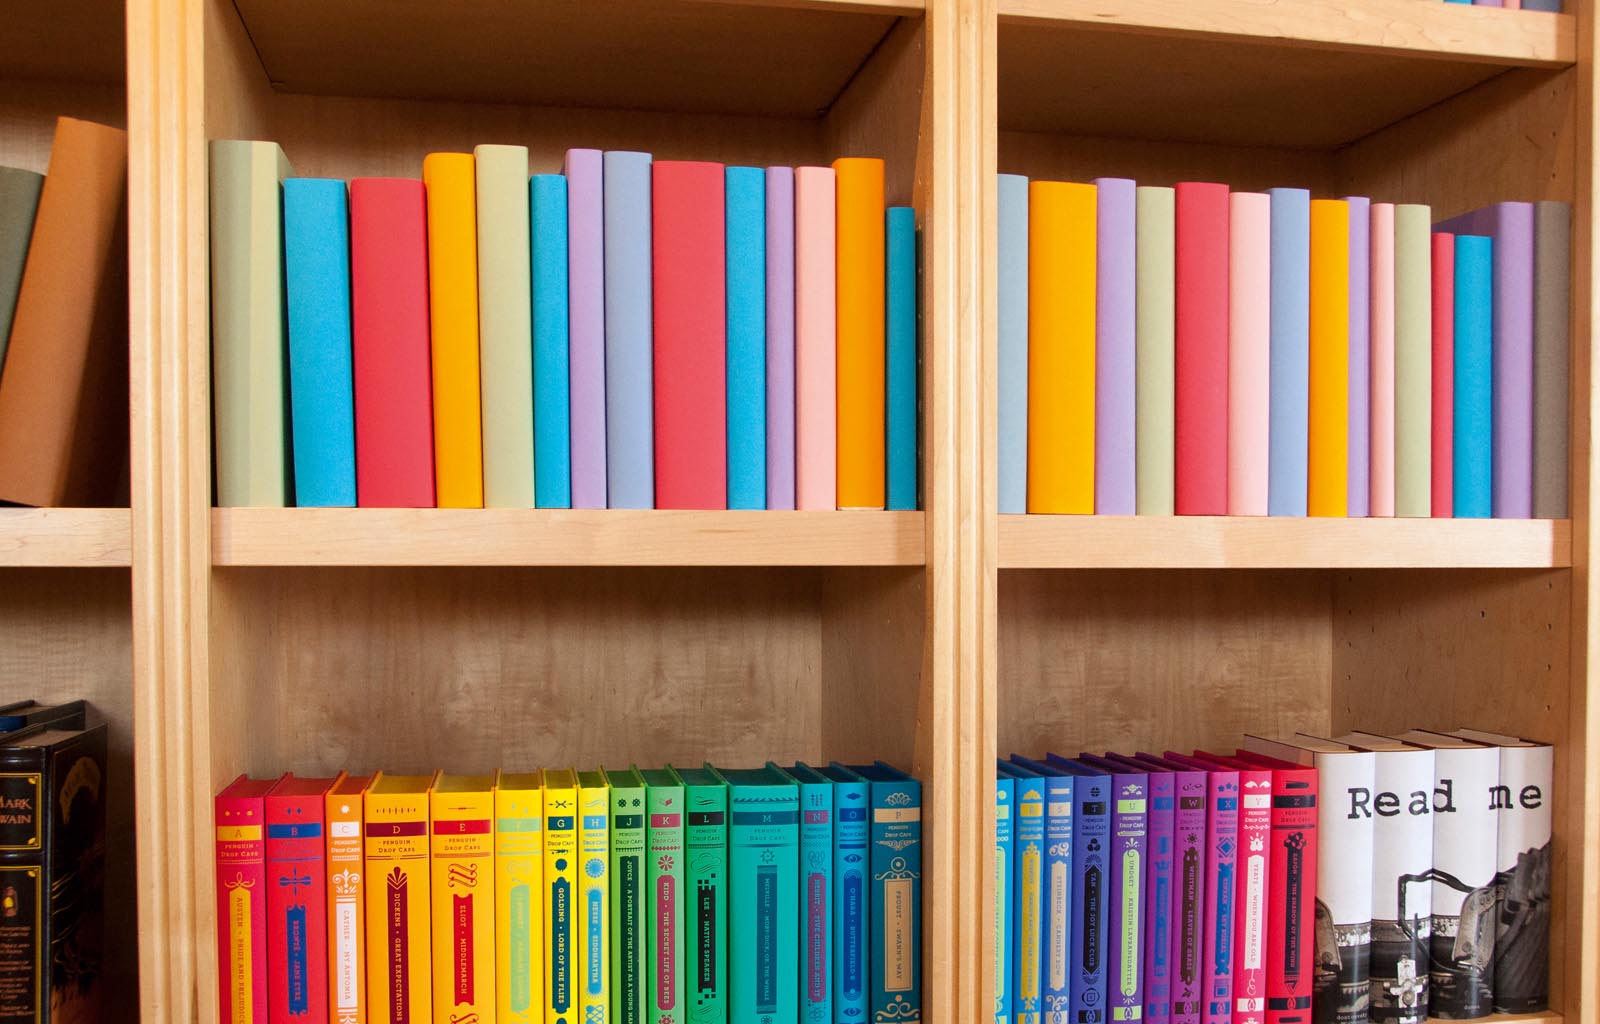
1413,361
505,325
628,893
1154,352
19,201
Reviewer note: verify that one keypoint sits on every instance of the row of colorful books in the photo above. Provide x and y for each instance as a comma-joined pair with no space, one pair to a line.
1197,351
1525,5
53,784
64,323
660,896
1174,889
630,333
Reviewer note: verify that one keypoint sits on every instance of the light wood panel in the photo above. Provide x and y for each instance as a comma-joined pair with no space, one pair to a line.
876,695
1061,156
28,112
71,537
64,41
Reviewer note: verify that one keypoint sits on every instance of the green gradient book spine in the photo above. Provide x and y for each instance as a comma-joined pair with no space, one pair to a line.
763,895
664,938
628,894
705,918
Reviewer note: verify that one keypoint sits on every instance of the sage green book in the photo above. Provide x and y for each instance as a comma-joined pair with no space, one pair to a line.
249,399
664,952
1154,351
705,918
505,325
628,915
1413,360
594,891
19,201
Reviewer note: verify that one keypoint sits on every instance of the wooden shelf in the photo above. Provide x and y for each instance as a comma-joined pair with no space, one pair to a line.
68,537
1238,542
1357,66
502,537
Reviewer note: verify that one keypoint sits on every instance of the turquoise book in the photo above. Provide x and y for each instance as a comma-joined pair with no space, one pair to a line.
629,914
1473,449
1055,890
663,938
1027,860
745,204
763,894
852,802
895,954
552,410
1005,796
316,260
816,894
705,919
900,358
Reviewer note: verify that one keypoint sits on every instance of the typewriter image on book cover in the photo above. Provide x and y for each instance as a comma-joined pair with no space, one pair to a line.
1341,991
1522,943
1399,980
1462,951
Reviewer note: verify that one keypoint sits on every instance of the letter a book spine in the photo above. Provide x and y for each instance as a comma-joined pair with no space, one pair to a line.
629,917
594,890
241,838
706,913
560,889
664,870
462,811
399,933
519,905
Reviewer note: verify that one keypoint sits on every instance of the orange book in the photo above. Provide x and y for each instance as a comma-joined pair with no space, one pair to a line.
1062,218
399,904
451,180
859,238
347,927
1328,454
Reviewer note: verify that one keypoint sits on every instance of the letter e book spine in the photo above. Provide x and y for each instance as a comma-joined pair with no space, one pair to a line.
462,812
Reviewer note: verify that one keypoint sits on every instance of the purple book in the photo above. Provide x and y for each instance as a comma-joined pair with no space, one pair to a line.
1189,893
1158,888
1359,492
1511,227
1222,852
1130,860
1114,348
780,337
586,326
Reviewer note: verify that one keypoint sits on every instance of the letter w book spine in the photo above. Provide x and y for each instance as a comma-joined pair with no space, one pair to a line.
1005,798
664,936
852,914
241,851
628,896
297,900
896,950
816,894
594,892
399,932
519,906
560,893
763,899
1055,889
462,811
705,837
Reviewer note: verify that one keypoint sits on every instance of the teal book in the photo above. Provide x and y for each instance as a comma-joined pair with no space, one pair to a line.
816,895
663,939
629,916
705,837
763,894
852,801
900,358
896,868
552,406
745,196
1028,924
1005,796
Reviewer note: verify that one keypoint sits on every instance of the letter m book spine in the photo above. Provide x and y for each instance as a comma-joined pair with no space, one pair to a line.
763,897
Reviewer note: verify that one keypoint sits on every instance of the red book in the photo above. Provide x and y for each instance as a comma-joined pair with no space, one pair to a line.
1201,359
688,275
297,900
1291,916
391,357
241,855
1444,372
1251,933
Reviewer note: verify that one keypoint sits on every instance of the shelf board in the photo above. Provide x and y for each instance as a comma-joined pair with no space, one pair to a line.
1240,542
66,537
1219,71
767,57
498,537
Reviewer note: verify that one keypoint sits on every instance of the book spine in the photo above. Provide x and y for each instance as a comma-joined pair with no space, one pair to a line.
1402,843
1222,835
1062,273
347,1003
593,925
552,407
1155,329
399,921
297,909
1360,470
900,360
1116,221
450,180
241,856
390,346
1291,917
519,889
1552,341
664,939
1249,351
1091,877
586,310
1413,365
816,425
1129,862
561,884
746,242
1011,301
1381,458
1055,954
628,914
706,837
1251,904
463,912
896,951
1189,898
816,902
316,261
852,911
1464,908
1328,397
1522,951
1158,903
780,337
1030,921
764,903
1473,397
505,325
1005,796
630,444
1344,884
859,240
1201,414
689,273
19,202
1288,427
1442,455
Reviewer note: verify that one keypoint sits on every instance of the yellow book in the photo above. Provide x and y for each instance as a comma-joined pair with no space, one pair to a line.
463,898
519,898
347,980
1328,452
859,325
594,889
1061,337
399,939
453,311
560,886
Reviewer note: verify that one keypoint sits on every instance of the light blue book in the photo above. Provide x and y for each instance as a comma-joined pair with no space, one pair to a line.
1012,301
816,894
1027,868
852,914
746,227
1474,387
1289,353
900,358
1005,797
630,381
1055,949
552,411
316,256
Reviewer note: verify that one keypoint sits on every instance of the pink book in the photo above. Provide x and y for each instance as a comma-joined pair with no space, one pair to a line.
1255,889
1249,360
1444,371
1222,855
815,482
1381,460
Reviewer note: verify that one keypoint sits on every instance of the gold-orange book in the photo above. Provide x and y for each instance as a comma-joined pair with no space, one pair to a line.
859,338
347,930
463,898
399,939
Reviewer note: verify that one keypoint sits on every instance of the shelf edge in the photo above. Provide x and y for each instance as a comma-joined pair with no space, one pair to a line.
84,538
